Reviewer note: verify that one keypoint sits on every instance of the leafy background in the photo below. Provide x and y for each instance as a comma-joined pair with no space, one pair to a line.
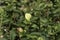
29,19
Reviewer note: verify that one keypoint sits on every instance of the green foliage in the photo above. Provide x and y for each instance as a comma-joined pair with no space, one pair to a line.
29,19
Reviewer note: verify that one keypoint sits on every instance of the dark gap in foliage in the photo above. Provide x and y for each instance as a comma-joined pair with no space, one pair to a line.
3,4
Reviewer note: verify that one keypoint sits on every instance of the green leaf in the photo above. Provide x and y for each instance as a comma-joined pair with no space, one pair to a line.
12,34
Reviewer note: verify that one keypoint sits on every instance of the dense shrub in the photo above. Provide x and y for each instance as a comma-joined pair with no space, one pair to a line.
29,19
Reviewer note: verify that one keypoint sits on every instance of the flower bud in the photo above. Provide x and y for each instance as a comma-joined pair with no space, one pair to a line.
28,16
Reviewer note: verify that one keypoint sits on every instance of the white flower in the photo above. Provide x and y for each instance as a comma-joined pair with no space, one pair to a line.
20,29
28,16
1,36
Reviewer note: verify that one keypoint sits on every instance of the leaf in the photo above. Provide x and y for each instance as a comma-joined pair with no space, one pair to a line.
40,38
12,34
